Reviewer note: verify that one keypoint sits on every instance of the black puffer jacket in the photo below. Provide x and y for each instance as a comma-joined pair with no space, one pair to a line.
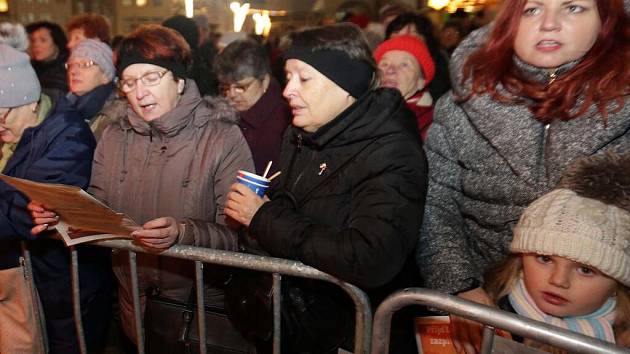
350,199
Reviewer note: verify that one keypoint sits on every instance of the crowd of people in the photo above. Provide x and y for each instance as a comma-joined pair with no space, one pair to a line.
494,169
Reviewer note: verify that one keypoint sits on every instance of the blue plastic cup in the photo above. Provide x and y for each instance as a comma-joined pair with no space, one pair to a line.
256,183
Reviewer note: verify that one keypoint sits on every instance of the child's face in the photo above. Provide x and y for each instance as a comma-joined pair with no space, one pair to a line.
561,287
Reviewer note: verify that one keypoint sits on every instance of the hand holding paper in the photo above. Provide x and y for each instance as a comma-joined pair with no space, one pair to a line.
41,217
79,217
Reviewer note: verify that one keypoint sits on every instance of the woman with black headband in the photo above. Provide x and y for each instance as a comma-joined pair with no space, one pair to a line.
350,197
167,161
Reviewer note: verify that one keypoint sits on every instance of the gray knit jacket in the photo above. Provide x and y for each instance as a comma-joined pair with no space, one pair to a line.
487,162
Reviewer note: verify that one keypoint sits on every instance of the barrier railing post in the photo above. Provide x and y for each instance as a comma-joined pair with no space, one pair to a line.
277,313
201,313
487,340
276,266
135,293
76,300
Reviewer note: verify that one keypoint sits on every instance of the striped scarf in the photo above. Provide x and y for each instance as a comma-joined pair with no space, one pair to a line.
597,324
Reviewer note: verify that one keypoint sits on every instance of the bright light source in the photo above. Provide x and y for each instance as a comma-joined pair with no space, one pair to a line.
240,13
437,4
263,23
189,8
4,6
141,2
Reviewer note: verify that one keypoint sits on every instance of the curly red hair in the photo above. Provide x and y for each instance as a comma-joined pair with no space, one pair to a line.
601,77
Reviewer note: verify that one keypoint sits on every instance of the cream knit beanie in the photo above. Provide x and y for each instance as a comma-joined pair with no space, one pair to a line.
590,227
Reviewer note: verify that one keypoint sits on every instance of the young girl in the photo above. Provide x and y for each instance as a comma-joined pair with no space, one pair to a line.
570,265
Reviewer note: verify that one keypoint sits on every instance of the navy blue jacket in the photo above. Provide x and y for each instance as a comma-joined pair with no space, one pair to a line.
59,150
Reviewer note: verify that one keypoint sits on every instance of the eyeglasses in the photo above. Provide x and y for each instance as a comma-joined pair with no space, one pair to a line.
150,78
5,115
80,65
238,88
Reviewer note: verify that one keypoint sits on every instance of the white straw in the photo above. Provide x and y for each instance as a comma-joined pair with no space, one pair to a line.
267,169
274,175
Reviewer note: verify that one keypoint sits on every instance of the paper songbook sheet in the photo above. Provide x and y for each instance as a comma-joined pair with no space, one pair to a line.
82,218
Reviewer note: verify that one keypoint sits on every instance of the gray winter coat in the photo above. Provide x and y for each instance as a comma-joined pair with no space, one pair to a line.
487,162
181,165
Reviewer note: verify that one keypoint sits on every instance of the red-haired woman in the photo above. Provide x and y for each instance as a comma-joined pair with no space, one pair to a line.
531,95
168,162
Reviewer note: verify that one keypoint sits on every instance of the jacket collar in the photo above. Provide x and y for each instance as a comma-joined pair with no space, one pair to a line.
373,112
92,102
172,122
50,119
257,114
542,75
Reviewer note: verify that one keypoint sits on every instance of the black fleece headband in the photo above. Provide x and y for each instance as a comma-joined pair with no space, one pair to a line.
132,57
352,75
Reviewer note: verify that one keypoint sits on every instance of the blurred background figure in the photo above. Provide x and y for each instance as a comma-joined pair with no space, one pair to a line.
246,81
451,34
48,56
88,25
91,75
203,27
387,13
418,25
406,65
200,69
53,145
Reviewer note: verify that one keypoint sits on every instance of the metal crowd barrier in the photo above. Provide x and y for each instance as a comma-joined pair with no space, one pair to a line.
199,255
491,318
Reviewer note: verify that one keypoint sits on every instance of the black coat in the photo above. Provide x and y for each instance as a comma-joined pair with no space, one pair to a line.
350,200
52,76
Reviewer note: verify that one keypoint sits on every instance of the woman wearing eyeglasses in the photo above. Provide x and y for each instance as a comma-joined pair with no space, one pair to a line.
90,77
246,81
168,163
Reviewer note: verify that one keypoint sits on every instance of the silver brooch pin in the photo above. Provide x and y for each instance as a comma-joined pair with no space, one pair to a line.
322,168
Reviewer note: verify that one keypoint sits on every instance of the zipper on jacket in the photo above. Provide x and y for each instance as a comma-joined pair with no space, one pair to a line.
552,77
22,262
543,152
298,150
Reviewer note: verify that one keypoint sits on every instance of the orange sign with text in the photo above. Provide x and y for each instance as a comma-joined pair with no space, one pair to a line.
433,335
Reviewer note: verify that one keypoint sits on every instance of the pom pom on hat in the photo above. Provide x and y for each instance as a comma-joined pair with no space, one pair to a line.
14,35
412,45
18,84
587,220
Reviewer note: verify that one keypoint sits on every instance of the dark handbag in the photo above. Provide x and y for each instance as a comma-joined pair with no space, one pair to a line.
313,320
171,327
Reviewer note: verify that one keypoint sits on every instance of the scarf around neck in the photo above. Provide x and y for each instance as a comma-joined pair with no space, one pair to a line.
597,324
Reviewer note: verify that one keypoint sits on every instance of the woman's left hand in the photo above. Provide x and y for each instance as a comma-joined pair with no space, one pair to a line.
159,234
242,203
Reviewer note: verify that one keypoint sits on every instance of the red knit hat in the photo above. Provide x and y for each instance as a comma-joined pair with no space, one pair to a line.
412,45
